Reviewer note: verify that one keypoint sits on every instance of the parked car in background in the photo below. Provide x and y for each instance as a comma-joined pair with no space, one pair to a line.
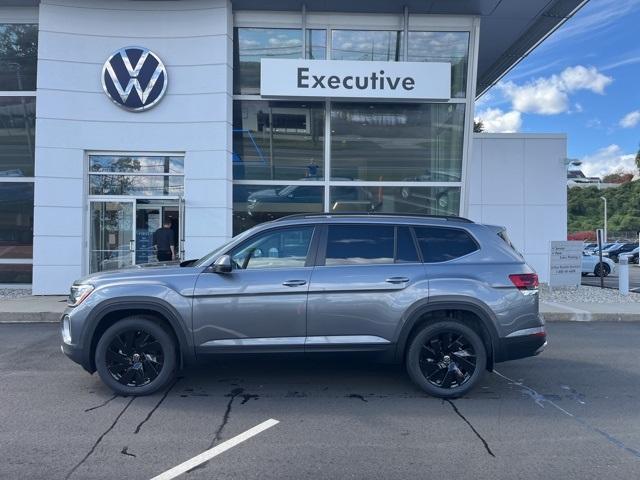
614,252
633,255
592,248
591,265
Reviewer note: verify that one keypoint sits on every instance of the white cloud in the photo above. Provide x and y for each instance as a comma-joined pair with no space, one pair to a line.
550,95
608,160
495,120
630,120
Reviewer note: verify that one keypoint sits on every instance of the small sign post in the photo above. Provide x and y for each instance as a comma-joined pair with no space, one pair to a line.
565,263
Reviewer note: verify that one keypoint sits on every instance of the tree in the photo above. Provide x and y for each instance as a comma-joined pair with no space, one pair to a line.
618,177
478,127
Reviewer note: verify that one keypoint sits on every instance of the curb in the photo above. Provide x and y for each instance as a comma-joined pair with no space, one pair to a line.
590,317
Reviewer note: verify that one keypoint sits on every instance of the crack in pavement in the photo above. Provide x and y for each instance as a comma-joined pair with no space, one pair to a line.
539,399
103,403
225,419
484,442
137,430
97,442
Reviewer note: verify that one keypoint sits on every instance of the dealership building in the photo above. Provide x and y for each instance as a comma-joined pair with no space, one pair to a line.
210,116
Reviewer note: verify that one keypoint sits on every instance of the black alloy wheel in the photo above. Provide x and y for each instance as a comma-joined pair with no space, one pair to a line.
136,356
446,358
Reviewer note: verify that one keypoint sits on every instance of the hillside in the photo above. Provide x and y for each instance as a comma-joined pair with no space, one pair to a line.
585,208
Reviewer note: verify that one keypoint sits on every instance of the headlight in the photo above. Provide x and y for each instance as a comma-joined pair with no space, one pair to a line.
78,293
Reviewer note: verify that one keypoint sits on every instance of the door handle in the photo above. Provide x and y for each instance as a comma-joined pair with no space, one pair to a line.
294,283
396,280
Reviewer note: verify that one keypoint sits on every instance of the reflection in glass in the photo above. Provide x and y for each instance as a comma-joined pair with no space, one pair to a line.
359,244
316,44
397,142
252,44
452,47
18,56
253,204
16,220
111,233
136,164
287,248
420,200
278,140
140,185
377,45
16,273
17,135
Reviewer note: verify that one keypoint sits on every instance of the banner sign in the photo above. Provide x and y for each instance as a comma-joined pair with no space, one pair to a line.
348,79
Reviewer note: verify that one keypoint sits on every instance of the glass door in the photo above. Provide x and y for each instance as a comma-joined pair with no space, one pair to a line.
151,216
111,238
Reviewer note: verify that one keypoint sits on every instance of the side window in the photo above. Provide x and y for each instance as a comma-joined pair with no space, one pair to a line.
405,247
439,244
286,248
359,244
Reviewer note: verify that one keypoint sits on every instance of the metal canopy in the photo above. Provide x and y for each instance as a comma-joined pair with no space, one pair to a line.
509,30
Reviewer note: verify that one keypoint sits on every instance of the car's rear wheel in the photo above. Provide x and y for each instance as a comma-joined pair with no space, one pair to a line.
606,269
136,356
446,359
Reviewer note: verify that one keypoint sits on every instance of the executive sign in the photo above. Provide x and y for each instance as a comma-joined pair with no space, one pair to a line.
134,78
340,79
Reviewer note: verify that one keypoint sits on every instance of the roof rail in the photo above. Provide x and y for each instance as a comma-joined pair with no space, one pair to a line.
451,218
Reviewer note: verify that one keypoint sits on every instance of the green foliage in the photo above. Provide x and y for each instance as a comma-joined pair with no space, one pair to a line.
585,208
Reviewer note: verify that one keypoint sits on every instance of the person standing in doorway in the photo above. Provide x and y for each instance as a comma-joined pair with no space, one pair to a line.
163,241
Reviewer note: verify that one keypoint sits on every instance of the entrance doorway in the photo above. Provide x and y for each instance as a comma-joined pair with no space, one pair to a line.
121,231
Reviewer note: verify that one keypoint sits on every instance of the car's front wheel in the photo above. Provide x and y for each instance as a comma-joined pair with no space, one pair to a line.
446,359
136,356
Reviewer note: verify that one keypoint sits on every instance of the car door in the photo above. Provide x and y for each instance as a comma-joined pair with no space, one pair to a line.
366,277
261,303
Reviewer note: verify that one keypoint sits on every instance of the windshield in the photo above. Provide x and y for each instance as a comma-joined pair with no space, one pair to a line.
209,257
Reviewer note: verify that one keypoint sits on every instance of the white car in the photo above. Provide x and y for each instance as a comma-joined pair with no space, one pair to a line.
590,264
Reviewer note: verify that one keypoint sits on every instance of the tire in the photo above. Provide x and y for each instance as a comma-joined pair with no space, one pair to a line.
427,365
606,270
124,372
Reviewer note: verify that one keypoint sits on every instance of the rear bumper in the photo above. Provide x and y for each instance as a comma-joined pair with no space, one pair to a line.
527,343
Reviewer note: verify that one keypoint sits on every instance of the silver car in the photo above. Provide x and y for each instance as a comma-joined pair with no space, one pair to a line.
446,296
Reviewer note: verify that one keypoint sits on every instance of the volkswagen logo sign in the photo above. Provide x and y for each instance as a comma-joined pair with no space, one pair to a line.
134,78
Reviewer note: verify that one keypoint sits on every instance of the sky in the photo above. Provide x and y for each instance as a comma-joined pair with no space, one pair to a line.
583,80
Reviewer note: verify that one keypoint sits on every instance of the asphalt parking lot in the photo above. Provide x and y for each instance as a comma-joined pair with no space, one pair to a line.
570,413
613,281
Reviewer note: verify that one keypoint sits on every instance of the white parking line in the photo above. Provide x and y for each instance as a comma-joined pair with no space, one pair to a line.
215,451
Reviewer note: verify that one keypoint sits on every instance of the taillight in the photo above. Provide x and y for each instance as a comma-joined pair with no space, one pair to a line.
524,281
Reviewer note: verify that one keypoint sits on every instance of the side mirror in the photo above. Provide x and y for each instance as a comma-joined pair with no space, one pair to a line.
222,265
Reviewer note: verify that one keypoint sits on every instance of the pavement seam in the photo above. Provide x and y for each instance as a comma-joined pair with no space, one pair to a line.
97,442
473,429
102,404
539,399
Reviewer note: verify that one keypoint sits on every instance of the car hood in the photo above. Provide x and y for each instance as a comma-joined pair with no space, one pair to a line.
264,194
149,272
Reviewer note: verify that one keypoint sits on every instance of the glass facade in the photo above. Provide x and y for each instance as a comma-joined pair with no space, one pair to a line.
153,176
397,142
377,45
391,157
278,140
452,47
18,56
18,65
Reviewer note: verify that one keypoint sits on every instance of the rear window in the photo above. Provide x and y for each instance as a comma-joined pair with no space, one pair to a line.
439,244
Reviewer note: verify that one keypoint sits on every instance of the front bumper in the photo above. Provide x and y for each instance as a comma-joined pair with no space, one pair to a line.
74,351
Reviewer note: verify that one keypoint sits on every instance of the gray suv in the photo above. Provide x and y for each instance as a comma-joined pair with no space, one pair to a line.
446,296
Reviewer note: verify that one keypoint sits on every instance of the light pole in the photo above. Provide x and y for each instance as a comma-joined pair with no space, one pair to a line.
604,199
